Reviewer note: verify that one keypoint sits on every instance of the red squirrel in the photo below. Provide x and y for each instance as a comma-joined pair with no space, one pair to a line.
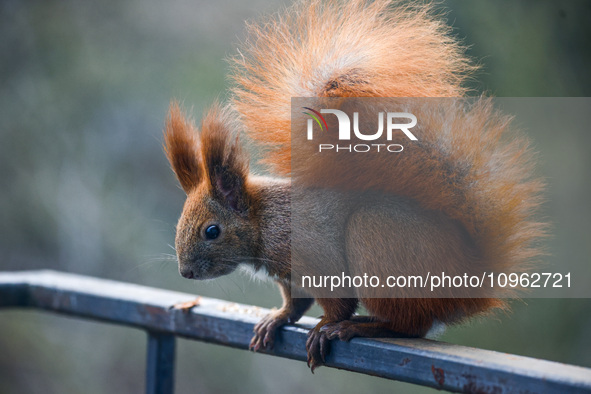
467,195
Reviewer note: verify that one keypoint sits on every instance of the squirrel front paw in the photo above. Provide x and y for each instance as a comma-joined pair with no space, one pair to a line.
264,330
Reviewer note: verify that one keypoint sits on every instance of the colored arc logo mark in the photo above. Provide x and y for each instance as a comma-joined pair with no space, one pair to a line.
315,115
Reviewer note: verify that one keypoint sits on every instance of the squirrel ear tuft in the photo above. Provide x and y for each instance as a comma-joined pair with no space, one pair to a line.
226,162
181,145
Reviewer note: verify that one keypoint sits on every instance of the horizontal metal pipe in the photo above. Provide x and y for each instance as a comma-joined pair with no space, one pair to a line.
429,363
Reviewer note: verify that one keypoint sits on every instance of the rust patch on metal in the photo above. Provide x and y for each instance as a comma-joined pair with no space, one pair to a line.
438,374
404,361
151,310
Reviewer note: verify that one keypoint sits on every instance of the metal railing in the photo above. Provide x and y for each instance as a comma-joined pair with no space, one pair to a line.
429,363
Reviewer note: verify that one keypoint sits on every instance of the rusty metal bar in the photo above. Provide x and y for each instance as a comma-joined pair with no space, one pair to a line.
160,363
429,363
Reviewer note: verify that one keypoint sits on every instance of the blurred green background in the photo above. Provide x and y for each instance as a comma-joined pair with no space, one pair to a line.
84,90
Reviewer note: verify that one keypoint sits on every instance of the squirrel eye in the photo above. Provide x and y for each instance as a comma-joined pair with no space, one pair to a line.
212,232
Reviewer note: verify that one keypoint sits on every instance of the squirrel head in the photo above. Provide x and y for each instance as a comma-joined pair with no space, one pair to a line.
216,231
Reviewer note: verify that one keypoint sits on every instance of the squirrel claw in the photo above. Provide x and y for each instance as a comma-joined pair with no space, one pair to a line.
312,368
318,348
341,330
264,331
254,344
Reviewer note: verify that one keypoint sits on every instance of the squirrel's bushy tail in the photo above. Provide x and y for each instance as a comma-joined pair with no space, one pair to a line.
341,49
465,163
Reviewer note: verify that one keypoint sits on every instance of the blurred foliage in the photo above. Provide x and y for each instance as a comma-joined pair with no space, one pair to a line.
84,89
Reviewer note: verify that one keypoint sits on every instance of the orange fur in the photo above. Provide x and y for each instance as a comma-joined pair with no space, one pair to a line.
213,159
333,48
181,147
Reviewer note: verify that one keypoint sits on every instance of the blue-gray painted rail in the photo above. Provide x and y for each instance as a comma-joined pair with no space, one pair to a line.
429,363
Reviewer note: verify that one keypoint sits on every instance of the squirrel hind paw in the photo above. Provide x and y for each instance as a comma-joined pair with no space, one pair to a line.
342,330
317,347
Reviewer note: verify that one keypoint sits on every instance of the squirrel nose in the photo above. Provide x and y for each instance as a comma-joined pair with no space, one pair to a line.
187,272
